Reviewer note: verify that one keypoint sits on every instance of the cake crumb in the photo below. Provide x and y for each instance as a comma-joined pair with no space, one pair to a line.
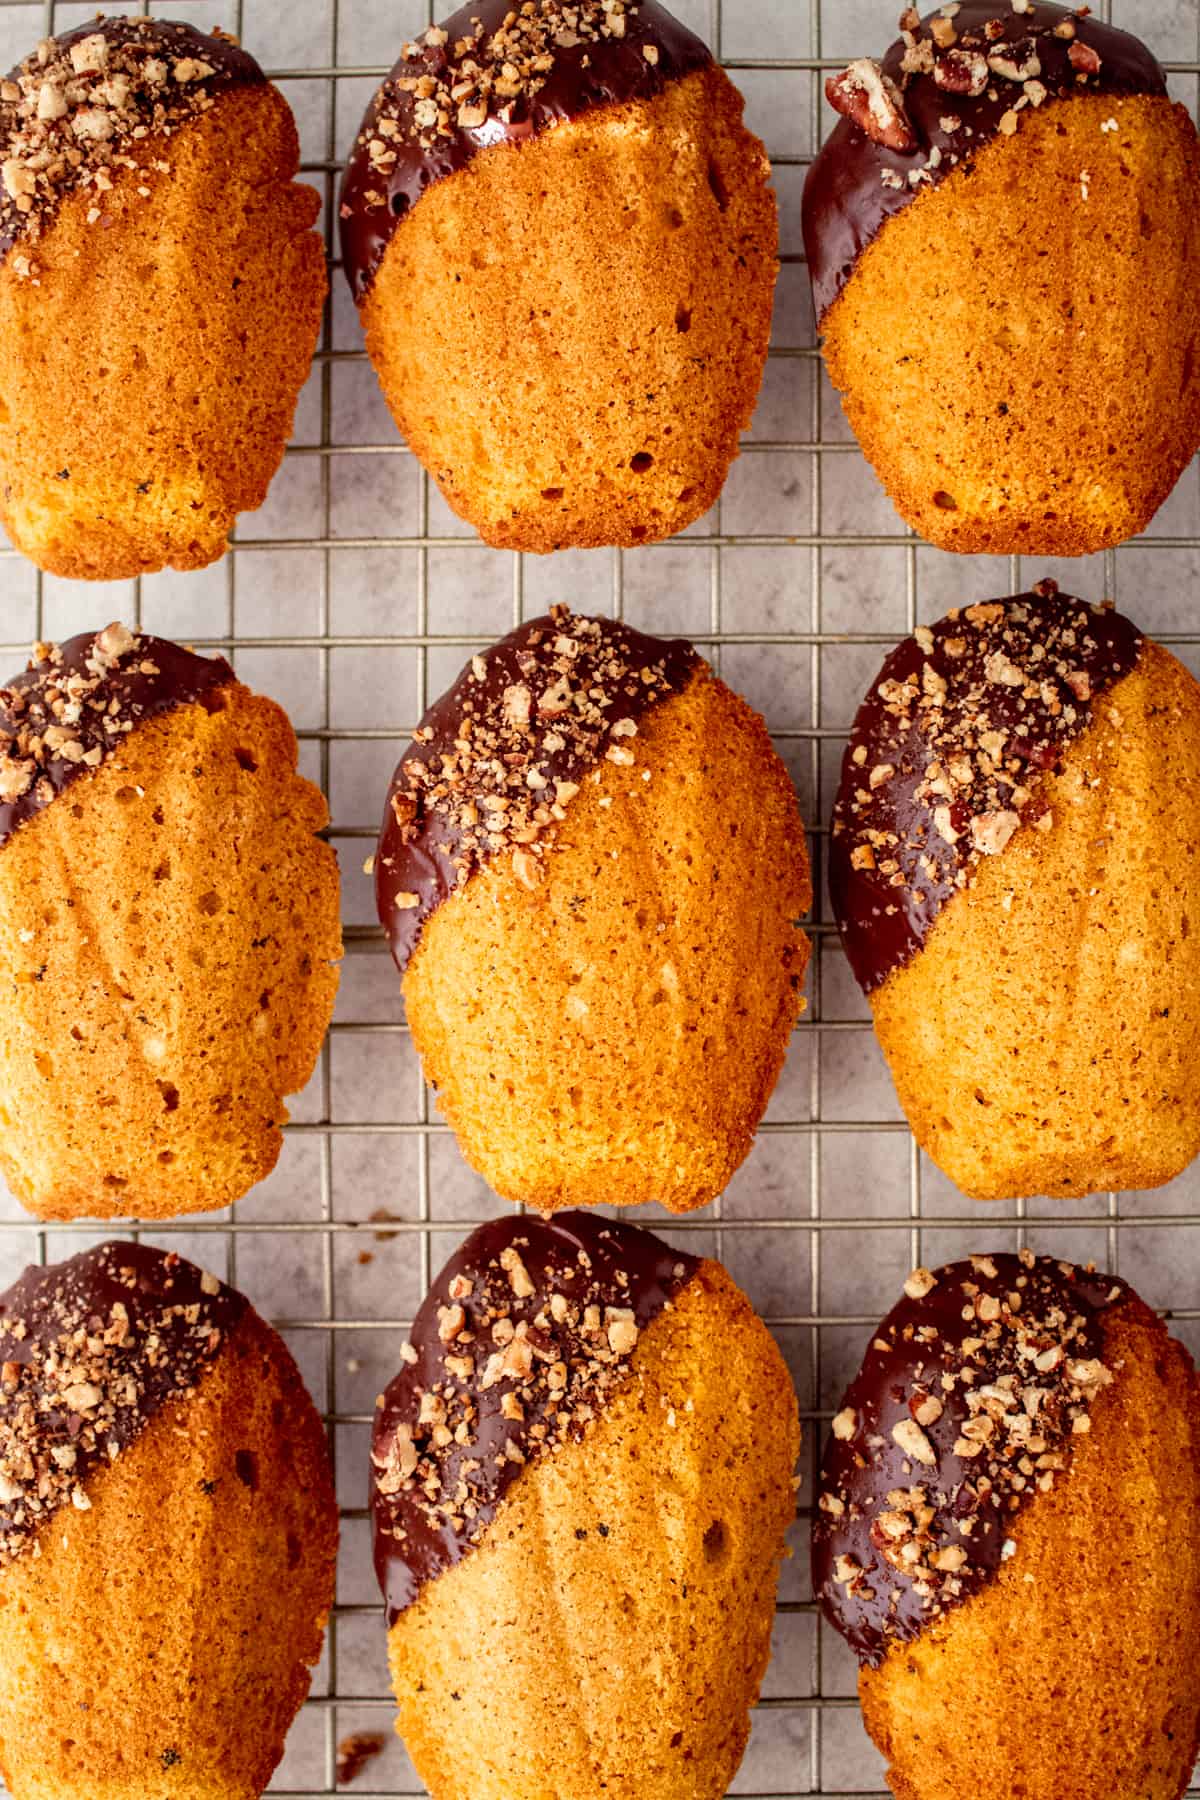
355,1752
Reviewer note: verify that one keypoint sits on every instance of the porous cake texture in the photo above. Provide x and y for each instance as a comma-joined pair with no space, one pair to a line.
593,872
169,930
160,296
1006,1535
1012,868
168,1534
1003,234
586,1465
564,249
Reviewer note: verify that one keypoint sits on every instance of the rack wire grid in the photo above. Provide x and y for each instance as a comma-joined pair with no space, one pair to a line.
352,597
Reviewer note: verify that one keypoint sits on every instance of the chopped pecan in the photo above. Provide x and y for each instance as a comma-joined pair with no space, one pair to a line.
961,72
871,99
1016,62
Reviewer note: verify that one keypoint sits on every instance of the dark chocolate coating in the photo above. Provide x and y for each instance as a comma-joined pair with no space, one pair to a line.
846,201
884,921
168,1329
231,67
590,1261
609,71
154,678
434,854
924,1339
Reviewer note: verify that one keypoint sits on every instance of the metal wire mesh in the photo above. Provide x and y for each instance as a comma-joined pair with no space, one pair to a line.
798,572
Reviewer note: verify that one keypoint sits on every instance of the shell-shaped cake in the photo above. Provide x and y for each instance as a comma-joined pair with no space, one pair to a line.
168,1534
160,295
1012,866
592,871
1008,1537
169,929
582,1478
562,244
1003,233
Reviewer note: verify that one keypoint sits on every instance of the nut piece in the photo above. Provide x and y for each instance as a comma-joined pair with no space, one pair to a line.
622,1330
871,100
1084,58
191,68
962,72
518,1274
1016,62
90,55
451,1321
115,641
83,1396
990,832
922,1281
18,179
912,1440
926,1410
845,1424
16,779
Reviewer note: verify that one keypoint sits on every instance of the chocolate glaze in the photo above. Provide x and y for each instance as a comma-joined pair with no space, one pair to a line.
604,71
231,65
111,695
1071,653
90,1350
139,38
566,1264
866,1472
846,197
426,850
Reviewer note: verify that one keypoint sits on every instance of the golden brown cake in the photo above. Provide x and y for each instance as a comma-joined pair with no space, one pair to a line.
583,1475
160,295
168,930
1012,865
1008,1536
1003,233
563,247
592,872
168,1534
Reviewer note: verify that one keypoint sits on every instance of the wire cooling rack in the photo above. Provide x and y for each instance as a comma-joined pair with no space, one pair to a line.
353,596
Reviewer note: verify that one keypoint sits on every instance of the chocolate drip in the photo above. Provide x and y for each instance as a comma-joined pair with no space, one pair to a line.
77,702
524,1334
945,757
62,125
966,1407
499,757
587,69
90,1350
857,184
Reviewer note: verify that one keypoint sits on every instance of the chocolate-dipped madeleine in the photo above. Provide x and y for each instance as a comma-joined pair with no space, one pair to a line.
562,244
1012,868
1008,1537
592,871
1003,233
160,295
168,1534
585,1463
169,929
